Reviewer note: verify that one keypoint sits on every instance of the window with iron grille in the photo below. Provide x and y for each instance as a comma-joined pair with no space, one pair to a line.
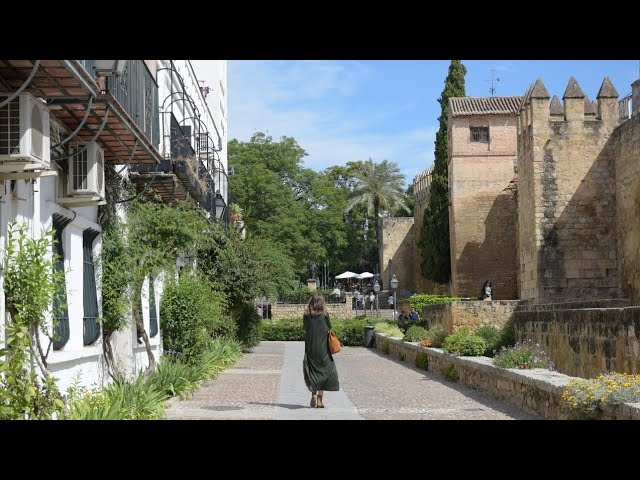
61,327
480,134
89,292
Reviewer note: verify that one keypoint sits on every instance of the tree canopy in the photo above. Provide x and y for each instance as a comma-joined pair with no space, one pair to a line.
434,236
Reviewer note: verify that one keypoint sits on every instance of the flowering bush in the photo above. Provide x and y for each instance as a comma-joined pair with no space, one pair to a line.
584,399
436,334
523,355
426,342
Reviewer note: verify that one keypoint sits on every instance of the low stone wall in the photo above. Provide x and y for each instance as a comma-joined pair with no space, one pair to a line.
585,341
534,391
336,310
453,315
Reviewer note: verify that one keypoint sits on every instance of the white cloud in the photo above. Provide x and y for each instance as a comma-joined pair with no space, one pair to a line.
307,100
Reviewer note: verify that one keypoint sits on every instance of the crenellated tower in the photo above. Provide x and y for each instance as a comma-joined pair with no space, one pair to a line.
566,195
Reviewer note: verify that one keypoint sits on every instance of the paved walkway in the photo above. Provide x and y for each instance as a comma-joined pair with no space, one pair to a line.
268,384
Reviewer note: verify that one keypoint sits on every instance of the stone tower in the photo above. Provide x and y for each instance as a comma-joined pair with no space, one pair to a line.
567,248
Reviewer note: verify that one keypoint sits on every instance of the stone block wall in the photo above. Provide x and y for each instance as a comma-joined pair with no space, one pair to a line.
281,311
454,315
625,143
584,342
421,192
398,246
567,242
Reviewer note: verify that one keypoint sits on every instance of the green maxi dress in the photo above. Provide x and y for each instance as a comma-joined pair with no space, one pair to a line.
318,366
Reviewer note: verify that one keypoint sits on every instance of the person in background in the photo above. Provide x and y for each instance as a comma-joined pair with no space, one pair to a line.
391,302
336,293
414,315
372,300
486,292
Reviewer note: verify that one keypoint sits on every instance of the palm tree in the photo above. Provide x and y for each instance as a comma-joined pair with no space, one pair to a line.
380,187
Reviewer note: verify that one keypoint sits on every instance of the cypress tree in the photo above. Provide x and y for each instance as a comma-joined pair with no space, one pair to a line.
434,236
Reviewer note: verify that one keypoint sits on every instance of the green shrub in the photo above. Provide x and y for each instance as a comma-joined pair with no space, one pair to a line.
248,322
419,301
145,399
391,330
282,330
523,355
415,334
401,355
350,331
450,373
496,339
192,314
436,334
138,400
422,360
386,348
584,399
464,343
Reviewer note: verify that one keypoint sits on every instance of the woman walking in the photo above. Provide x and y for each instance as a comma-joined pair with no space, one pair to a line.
319,369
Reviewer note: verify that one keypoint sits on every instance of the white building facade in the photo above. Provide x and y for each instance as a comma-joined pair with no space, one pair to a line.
102,120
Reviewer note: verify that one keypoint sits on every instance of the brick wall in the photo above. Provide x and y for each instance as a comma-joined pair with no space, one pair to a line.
482,213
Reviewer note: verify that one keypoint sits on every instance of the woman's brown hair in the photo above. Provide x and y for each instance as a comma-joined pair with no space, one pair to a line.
316,305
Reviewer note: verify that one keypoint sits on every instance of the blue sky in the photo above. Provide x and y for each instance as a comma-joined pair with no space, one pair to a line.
346,110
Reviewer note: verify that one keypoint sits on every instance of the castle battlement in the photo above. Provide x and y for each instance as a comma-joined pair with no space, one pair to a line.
536,110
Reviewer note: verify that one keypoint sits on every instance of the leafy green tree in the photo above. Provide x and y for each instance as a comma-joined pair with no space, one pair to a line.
379,186
410,202
295,207
156,234
434,237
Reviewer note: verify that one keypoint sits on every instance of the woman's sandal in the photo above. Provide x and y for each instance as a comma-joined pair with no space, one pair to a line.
319,403
314,400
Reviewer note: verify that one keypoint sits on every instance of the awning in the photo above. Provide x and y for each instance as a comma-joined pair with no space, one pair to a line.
346,274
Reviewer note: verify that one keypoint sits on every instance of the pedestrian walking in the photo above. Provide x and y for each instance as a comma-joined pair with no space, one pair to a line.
319,369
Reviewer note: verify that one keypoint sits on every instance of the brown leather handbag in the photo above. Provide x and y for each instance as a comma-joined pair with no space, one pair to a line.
333,342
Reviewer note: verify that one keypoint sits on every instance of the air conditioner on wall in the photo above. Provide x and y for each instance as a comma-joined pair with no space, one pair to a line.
24,134
86,171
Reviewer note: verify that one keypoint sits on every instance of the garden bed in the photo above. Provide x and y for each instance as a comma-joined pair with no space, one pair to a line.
536,391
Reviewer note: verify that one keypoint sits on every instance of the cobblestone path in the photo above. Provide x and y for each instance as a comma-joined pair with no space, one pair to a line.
267,384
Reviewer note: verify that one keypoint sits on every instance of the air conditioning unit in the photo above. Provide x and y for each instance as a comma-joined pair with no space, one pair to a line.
24,134
86,171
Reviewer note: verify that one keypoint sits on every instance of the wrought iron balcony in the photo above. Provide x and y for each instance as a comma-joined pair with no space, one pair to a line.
137,92
183,160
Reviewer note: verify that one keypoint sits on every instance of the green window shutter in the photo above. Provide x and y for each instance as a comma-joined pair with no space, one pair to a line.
61,324
153,317
90,294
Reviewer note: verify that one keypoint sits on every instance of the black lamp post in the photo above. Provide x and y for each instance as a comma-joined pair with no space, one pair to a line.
394,286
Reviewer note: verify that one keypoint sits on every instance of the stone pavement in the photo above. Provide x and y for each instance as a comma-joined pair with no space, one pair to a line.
268,384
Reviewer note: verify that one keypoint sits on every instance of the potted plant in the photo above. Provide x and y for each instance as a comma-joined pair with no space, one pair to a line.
236,212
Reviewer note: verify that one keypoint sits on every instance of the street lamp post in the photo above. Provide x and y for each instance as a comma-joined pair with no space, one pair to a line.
376,288
394,287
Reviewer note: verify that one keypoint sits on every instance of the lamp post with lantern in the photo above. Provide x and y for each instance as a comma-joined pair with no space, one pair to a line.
394,286
376,288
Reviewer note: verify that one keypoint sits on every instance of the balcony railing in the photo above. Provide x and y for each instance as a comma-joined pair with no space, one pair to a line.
178,151
137,92
624,108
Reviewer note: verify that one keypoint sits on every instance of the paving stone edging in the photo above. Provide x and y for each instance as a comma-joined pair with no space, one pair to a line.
535,391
